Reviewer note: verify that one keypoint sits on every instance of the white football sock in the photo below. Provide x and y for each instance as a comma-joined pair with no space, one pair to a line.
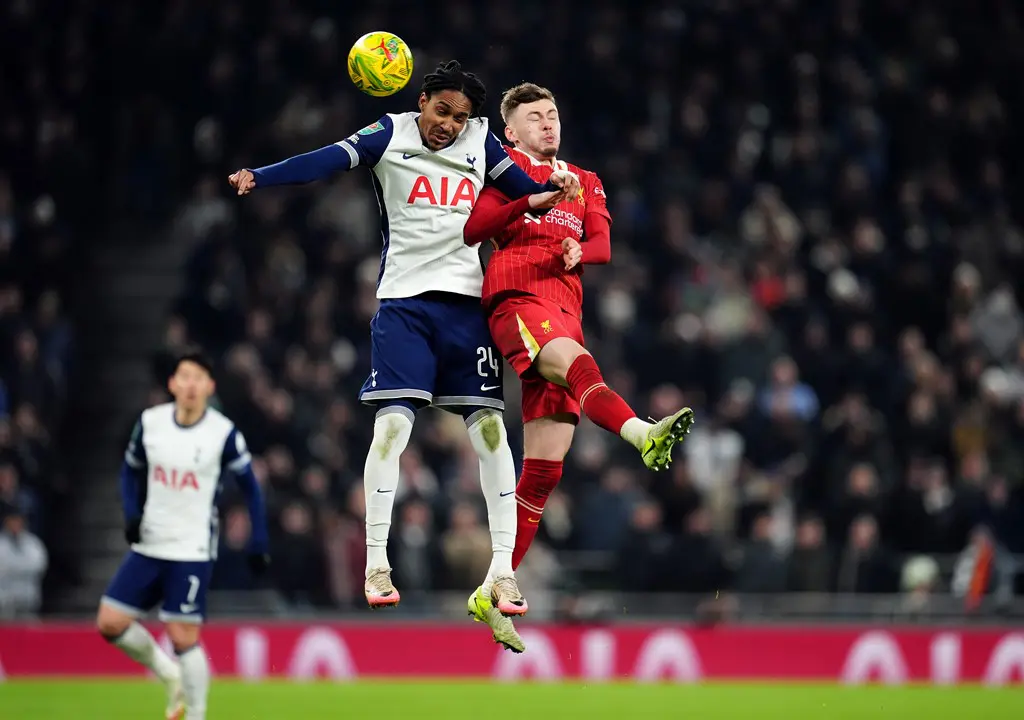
391,431
195,680
140,646
634,431
498,482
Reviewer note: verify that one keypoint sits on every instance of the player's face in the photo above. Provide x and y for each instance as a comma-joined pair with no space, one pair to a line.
442,117
191,386
535,128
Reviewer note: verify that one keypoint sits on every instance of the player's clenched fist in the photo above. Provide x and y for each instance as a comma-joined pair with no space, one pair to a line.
243,181
568,181
572,252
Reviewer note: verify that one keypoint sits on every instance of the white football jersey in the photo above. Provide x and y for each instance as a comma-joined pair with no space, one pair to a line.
425,198
183,466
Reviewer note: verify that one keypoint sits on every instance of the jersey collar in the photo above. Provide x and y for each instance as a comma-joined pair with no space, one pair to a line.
174,416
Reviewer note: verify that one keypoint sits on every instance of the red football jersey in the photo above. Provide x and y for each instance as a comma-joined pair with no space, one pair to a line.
528,255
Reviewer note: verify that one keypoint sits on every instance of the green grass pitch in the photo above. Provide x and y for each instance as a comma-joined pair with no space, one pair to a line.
137,700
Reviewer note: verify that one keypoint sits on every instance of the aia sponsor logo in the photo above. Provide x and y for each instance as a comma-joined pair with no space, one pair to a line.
443,191
174,479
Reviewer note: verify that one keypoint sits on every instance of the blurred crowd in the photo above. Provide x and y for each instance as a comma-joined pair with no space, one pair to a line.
816,244
38,230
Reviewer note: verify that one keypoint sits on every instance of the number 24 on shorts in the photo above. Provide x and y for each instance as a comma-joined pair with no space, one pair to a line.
488,366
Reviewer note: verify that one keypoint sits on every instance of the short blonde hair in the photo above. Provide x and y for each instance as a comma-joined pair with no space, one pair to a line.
523,94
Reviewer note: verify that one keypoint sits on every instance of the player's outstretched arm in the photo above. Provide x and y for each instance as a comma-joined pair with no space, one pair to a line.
362,148
494,211
299,170
491,213
512,180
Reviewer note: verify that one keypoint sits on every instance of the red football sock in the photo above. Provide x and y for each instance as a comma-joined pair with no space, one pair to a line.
601,404
539,478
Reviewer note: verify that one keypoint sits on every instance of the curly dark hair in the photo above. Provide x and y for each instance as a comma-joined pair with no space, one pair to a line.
451,76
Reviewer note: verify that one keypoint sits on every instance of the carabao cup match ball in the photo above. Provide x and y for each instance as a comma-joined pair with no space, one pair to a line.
380,64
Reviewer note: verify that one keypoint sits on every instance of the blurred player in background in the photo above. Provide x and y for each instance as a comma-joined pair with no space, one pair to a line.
533,294
430,342
170,481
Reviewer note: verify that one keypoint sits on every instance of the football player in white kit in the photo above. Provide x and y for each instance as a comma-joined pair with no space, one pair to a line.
170,481
430,342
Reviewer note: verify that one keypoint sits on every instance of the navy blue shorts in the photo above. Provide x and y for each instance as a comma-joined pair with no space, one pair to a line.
434,348
143,582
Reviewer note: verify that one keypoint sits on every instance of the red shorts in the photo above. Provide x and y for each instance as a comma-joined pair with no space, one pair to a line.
521,325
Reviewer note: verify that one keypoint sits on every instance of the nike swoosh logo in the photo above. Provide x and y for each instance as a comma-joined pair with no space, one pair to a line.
506,494
186,609
485,388
385,491
534,521
406,156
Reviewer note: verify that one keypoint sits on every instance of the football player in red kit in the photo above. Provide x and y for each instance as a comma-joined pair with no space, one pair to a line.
533,294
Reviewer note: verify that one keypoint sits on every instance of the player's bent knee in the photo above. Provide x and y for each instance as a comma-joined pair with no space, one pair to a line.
487,430
556,357
548,438
391,432
183,636
111,623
